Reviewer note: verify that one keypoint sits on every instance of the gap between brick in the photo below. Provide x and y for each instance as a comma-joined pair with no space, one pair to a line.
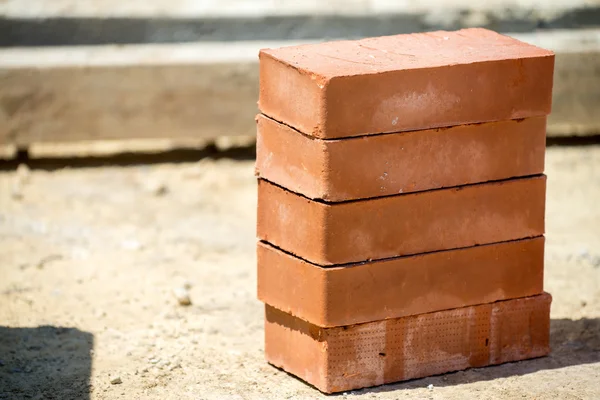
357,264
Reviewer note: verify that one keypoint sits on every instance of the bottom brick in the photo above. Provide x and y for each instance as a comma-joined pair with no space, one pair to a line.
374,353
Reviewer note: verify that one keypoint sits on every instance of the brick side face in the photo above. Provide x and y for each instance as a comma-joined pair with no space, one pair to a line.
381,165
405,82
339,233
357,356
378,290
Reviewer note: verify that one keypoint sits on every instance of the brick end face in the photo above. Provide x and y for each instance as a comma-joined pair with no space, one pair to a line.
292,285
296,346
290,159
290,221
288,94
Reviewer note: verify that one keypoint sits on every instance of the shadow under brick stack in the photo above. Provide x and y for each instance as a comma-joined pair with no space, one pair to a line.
401,206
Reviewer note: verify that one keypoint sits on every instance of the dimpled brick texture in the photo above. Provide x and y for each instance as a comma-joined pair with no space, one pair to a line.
358,356
399,287
405,82
379,165
357,231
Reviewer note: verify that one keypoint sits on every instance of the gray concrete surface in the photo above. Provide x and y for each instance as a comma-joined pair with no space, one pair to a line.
43,22
212,8
91,256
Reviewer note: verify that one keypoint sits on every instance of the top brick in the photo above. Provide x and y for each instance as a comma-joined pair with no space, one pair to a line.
405,82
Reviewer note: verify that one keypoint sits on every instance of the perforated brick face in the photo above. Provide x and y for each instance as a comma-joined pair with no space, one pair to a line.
357,356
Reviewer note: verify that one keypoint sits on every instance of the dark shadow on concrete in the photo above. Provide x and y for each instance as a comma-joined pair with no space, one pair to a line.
130,158
46,362
573,342
242,153
92,31
589,140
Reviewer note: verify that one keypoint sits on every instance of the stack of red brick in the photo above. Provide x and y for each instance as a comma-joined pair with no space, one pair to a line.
401,205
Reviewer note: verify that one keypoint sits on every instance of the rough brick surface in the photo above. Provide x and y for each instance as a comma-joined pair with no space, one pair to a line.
339,233
405,82
379,165
400,287
357,356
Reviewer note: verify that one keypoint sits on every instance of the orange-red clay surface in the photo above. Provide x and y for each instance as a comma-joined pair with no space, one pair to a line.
399,287
357,356
405,82
339,233
401,205
380,165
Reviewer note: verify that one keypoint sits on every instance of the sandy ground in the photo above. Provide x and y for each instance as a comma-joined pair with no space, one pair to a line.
89,258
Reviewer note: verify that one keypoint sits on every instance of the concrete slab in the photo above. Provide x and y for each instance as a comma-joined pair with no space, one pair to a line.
211,8
208,89
71,22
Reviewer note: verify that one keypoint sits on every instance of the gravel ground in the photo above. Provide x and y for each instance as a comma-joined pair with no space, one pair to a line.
95,263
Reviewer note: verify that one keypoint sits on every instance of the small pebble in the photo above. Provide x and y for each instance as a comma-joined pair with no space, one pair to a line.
182,296
430,386
156,187
174,366
116,380
583,253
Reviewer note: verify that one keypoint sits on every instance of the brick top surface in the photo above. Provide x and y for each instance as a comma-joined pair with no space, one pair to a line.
403,52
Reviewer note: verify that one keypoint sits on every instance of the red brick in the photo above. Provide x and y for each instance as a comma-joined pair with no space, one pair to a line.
379,165
339,233
405,82
357,356
372,291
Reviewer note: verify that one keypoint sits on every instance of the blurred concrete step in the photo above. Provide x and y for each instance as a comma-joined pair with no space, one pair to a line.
208,90
196,8
76,22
